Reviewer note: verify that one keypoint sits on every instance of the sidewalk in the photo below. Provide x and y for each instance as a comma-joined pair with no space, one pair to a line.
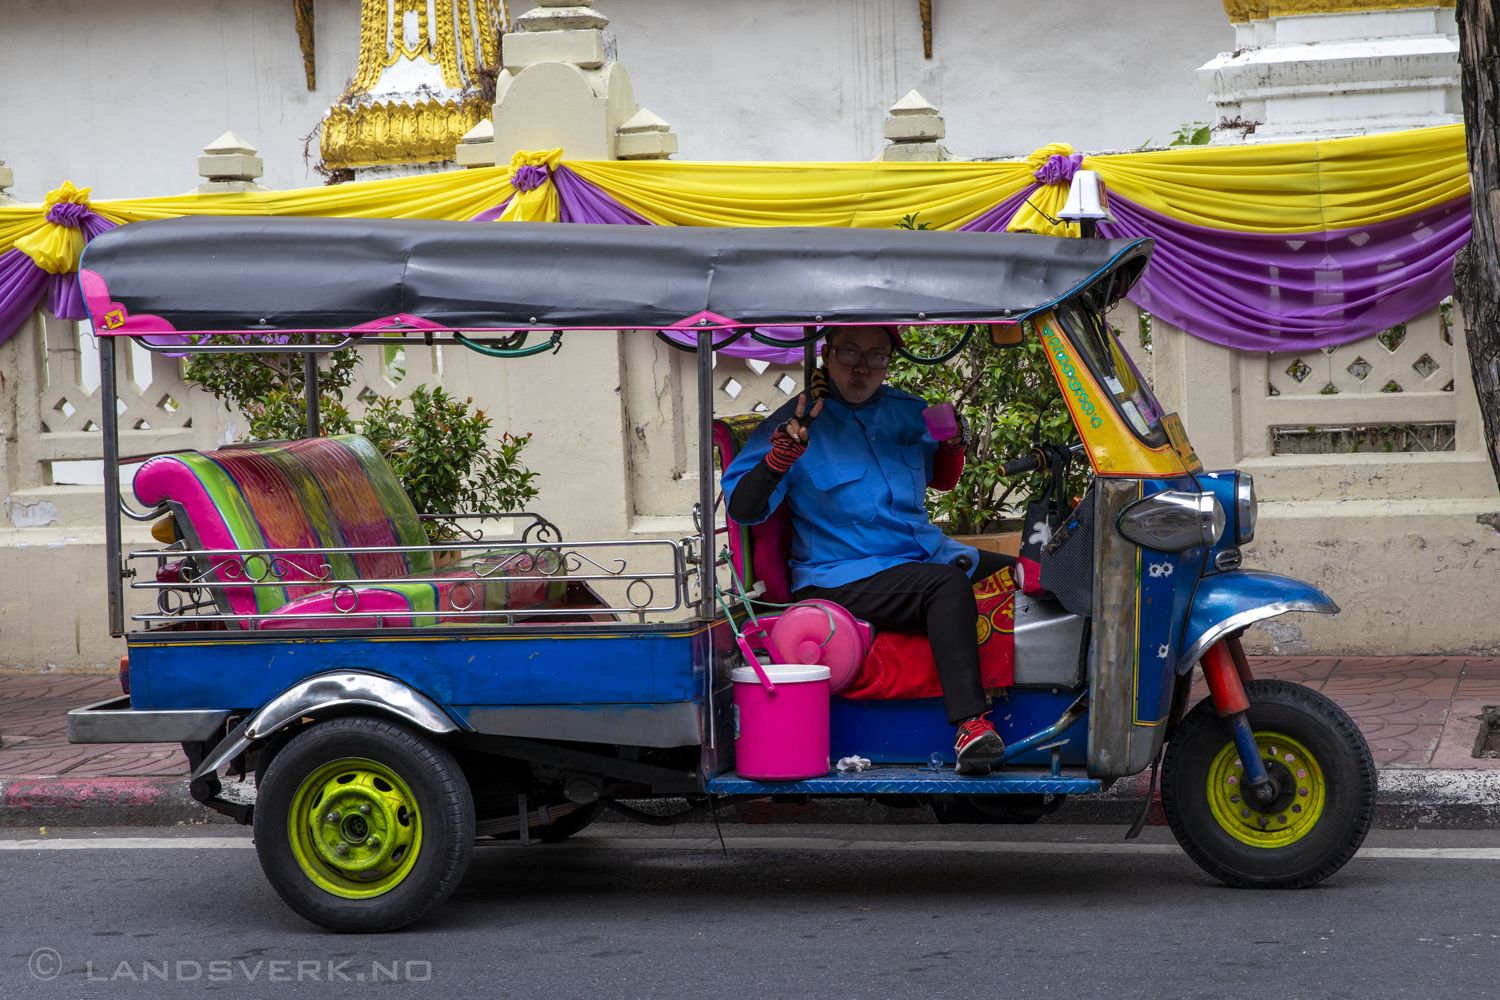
1421,716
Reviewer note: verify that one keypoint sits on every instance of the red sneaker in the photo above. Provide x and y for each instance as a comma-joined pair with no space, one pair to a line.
978,745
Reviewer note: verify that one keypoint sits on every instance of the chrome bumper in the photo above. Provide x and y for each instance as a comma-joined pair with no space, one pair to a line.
114,721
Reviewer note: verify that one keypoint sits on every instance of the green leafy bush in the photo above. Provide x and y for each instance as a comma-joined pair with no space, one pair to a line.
270,390
439,449
1003,394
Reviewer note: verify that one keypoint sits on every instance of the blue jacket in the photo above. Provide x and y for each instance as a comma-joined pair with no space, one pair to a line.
856,495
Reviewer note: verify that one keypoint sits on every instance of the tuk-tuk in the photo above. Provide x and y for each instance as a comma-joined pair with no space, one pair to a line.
397,699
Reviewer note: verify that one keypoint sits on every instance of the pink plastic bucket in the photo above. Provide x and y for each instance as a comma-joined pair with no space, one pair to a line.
781,729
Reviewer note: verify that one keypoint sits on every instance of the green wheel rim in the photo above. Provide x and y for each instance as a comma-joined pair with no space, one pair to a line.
1293,814
354,828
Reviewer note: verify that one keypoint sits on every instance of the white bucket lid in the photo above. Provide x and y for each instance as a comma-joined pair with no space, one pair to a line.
782,673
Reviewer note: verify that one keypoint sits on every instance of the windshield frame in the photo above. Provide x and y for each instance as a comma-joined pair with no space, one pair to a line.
1102,353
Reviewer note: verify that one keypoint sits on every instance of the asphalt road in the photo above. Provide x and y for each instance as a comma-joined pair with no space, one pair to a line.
791,912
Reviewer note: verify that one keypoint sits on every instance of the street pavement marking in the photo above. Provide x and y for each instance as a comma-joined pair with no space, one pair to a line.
128,843
753,844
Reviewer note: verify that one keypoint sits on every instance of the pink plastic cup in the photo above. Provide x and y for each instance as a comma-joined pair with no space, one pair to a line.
941,423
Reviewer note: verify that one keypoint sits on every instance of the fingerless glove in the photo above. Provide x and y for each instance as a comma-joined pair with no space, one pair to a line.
784,451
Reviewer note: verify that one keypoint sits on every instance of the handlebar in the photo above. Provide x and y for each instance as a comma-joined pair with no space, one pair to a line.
1033,461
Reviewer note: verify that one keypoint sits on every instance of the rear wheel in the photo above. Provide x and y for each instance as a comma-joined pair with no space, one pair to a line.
1326,780
363,825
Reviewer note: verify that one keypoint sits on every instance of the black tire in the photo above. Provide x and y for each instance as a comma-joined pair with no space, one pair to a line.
442,836
1221,845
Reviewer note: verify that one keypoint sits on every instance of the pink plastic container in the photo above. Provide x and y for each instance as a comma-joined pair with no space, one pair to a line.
822,632
781,722
941,423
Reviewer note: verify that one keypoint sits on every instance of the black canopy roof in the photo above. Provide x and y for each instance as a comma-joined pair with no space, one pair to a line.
244,273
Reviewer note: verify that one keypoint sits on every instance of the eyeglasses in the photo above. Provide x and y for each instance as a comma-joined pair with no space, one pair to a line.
875,361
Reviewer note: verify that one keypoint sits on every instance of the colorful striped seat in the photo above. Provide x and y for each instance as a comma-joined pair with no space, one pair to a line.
329,492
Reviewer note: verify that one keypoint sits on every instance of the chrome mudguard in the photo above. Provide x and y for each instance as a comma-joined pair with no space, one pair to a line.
1228,602
336,689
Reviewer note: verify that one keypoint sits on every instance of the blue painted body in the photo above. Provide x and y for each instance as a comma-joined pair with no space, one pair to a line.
644,664
638,664
906,731
911,781
1221,485
1223,596
1165,595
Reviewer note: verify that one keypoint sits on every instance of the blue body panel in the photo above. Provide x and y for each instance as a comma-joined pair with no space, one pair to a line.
1243,596
1167,581
641,664
909,731
1221,485
910,781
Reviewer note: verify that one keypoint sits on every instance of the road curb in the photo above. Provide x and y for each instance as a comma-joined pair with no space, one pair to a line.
122,801
1426,798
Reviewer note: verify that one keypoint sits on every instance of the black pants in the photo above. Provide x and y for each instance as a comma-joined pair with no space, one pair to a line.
932,596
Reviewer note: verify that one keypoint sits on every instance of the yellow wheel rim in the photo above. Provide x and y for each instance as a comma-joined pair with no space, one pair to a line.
1293,814
354,828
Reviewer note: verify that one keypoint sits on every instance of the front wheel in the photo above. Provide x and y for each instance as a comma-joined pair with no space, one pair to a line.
1322,767
364,825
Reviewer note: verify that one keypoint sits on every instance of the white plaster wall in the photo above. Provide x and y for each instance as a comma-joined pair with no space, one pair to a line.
121,95
793,79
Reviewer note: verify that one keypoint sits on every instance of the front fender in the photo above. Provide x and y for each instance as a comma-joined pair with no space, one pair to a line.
1227,602
336,689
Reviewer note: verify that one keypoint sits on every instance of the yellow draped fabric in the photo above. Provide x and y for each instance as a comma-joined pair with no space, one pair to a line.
1282,188
1295,187
870,195
56,248
540,203
1046,201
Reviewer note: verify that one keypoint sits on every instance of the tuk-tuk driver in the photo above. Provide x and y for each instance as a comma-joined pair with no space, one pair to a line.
854,470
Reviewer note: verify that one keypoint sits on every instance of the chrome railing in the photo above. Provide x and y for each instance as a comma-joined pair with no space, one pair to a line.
201,582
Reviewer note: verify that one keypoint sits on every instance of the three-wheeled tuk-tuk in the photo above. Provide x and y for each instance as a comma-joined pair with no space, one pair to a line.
397,699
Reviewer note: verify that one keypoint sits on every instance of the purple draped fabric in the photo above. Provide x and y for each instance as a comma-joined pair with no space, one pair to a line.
23,284
1250,291
750,348
580,201
995,220
1059,169
528,178
1263,292
492,214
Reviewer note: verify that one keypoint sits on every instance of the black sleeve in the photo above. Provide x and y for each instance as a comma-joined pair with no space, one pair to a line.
753,492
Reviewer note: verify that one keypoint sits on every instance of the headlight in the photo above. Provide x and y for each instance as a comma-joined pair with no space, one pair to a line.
1173,521
1245,509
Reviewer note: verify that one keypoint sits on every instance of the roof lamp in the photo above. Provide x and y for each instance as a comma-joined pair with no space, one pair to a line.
1088,199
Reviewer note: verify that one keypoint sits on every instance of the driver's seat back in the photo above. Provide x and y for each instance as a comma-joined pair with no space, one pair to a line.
760,551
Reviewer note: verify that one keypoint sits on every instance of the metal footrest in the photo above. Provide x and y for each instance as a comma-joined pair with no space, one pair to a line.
909,779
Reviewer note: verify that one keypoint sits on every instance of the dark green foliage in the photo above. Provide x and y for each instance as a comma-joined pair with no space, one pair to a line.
1001,393
440,452
270,389
439,449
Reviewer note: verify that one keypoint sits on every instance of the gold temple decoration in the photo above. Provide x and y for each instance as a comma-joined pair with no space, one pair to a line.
304,13
422,82
924,7
1259,10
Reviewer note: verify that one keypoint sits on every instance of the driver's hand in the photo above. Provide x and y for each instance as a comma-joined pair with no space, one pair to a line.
794,428
789,441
